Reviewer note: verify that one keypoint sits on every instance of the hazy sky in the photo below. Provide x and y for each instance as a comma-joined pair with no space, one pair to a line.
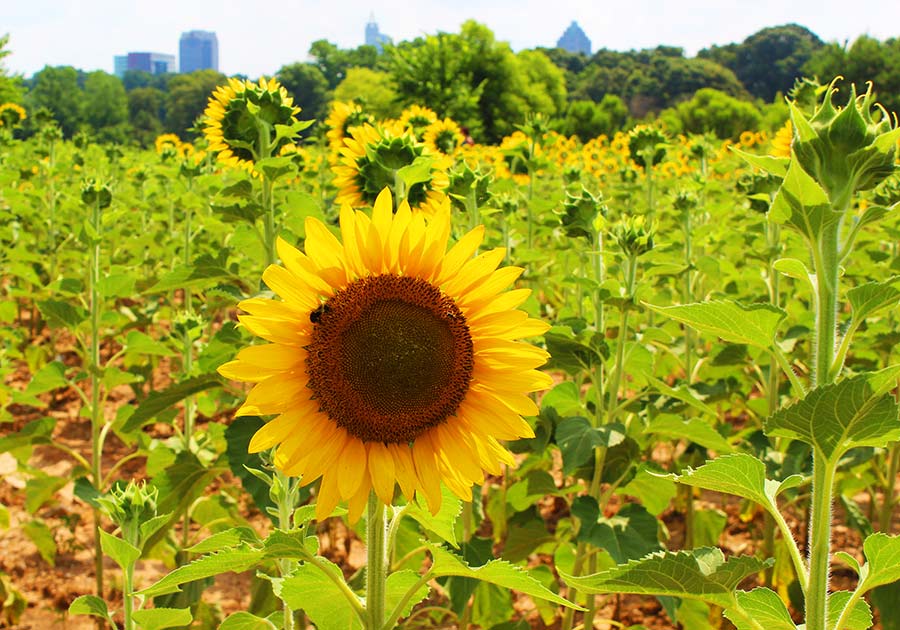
88,33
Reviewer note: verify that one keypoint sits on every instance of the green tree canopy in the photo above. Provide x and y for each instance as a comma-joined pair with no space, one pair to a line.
587,119
373,89
334,62
309,87
146,112
188,96
105,106
770,60
57,89
712,111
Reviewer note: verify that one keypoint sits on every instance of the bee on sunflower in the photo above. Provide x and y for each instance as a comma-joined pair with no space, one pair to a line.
374,158
392,361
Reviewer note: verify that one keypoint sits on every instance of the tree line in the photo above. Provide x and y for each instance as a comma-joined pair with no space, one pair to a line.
482,83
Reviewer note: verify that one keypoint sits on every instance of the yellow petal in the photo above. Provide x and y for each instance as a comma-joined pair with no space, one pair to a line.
328,497
381,471
351,467
425,459
321,245
460,254
404,469
291,289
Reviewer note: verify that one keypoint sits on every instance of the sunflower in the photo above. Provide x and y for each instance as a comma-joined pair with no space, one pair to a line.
344,117
392,360
781,143
240,121
444,136
167,142
416,119
370,160
12,115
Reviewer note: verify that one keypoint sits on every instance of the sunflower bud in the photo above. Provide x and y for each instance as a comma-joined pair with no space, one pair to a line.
583,214
130,506
647,145
685,201
846,149
469,184
634,235
94,192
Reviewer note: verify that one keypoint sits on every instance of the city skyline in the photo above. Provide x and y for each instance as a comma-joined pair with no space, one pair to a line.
87,34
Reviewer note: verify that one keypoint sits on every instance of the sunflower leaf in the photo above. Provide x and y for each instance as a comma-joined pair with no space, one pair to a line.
91,605
313,590
160,618
734,322
764,606
497,572
860,618
882,561
234,560
443,524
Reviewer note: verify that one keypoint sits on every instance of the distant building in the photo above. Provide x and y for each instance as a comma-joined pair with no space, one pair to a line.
198,50
574,40
154,63
374,37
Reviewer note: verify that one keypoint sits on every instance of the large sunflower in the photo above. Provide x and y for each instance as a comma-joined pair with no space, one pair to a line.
392,360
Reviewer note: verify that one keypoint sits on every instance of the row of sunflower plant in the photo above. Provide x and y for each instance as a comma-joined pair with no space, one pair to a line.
406,298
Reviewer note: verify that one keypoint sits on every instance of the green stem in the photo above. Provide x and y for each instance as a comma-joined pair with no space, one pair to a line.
285,505
796,383
796,558
376,568
820,543
128,596
569,614
94,369
269,220
888,500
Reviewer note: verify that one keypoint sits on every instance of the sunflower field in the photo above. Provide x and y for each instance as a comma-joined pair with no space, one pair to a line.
369,374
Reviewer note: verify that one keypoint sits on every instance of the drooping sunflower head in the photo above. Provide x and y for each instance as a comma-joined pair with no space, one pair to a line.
12,115
444,136
240,121
343,118
416,119
373,158
391,360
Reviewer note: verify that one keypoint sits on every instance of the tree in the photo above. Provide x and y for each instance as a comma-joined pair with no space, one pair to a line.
712,111
334,62
146,112
134,79
309,87
372,89
56,88
105,107
770,60
587,119
188,97
10,86
547,83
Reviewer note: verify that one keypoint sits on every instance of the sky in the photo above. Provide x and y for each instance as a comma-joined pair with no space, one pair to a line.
88,33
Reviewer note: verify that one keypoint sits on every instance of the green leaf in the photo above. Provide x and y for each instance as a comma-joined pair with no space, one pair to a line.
35,432
629,535
229,538
121,551
496,572
882,564
577,439
887,600
116,285
38,532
777,166
417,172
741,475
695,430
157,402
51,376
802,204
793,268
683,393
61,314
91,605
860,617
137,342
241,461
655,492
159,618
526,492
765,607
276,167
310,589
873,296
444,522
858,411
708,527
570,354
734,322
242,620
234,560
39,490
702,574
398,584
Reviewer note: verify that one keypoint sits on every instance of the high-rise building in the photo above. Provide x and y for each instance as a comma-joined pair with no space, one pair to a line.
154,63
374,37
198,50
574,40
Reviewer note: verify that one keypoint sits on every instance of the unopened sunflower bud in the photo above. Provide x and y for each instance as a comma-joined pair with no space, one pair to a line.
634,235
129,506
583,214
846,149
94,192
685,201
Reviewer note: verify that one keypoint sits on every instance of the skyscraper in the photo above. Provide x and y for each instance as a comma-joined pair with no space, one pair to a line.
154,63
574,40
374,37
198,50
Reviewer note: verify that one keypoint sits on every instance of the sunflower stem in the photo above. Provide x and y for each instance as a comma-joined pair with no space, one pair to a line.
376,567
95,372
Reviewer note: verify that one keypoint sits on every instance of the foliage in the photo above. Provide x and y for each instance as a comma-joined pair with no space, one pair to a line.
712,111
309,87
373,89
187,98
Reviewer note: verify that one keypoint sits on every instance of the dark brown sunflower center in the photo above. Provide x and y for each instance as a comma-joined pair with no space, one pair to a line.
390,358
